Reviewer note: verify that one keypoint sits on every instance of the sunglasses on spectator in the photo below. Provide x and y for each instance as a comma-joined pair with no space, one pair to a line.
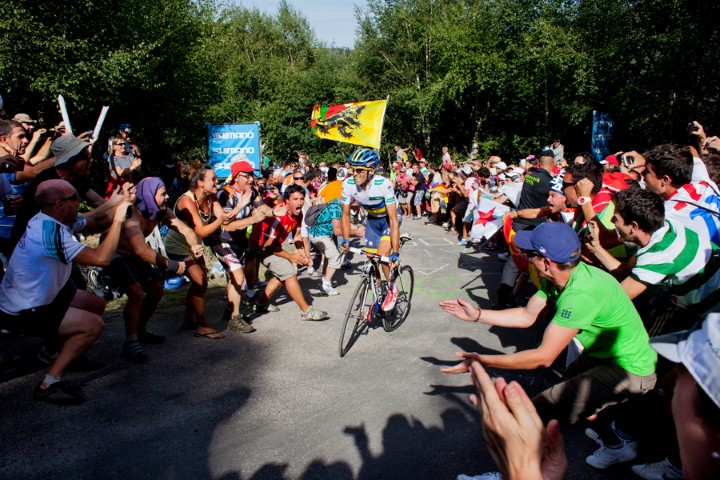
72,198
121,143
298,178
528,254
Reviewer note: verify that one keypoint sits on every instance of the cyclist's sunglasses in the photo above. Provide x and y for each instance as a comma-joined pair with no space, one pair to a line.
361,169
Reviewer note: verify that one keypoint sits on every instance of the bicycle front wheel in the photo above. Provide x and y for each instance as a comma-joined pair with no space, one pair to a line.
405,282
356,318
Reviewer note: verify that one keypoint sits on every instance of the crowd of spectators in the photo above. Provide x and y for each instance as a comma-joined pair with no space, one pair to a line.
621,253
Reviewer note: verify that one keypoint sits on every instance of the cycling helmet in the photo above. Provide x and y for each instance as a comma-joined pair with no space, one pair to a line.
364,157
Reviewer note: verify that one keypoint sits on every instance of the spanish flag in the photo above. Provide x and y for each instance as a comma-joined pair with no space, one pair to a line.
359,123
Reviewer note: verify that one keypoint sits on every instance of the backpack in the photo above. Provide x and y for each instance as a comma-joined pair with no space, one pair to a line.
313,213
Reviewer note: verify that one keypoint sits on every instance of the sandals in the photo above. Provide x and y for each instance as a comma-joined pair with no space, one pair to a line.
214,335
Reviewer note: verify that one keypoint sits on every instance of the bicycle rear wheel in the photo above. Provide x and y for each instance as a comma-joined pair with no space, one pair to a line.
405,282
356,318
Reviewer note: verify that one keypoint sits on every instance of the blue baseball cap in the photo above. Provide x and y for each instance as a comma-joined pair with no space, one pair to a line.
553,240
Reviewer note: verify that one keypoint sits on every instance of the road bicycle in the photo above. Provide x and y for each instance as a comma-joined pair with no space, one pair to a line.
364,309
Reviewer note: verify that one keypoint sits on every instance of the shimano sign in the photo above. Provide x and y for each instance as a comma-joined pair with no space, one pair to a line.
227,140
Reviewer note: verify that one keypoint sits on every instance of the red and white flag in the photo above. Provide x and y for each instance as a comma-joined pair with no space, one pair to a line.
487,218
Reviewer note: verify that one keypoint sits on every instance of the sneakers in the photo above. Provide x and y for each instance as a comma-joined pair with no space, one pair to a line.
630,440
133,351
390,298
446,225
149,338
417,217
605,456
484,476
463,242
314,314
658,471
314,274
238,324
266,308
60,393
329,290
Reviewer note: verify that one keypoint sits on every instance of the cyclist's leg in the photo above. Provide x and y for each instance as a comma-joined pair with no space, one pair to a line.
384,244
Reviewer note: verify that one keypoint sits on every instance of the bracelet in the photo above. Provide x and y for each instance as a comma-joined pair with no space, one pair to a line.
173,266
477,319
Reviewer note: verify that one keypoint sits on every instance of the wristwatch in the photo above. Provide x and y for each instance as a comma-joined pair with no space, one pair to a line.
583,200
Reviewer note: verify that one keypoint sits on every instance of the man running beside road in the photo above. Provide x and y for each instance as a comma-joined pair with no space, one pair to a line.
377,197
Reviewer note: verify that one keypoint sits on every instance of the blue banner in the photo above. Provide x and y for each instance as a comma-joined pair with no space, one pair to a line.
227,140
603,126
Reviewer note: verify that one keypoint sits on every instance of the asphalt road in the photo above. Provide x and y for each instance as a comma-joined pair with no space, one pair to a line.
280,403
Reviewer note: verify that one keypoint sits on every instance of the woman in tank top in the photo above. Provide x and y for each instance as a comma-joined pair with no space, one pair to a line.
199,208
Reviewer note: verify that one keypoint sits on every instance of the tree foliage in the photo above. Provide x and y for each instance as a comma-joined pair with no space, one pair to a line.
505,75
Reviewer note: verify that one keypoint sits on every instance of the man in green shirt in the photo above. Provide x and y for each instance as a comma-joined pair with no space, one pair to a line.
593,316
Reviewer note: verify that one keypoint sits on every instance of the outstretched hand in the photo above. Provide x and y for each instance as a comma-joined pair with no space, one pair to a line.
514,432
462,309
464,366
280,210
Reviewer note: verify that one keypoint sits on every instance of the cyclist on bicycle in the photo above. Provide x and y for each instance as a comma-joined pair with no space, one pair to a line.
377,196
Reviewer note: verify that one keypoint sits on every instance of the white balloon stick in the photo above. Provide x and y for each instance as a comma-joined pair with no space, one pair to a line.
99,124
64,113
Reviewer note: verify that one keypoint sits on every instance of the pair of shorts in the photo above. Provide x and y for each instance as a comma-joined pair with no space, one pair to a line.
377,229
461,207
419,197
589,391
468,217
41,321
437,204
405,197
281,268
227,257
328,248
129,270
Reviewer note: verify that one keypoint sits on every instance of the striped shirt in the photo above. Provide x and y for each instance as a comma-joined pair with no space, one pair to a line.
41,264
697,206
683,261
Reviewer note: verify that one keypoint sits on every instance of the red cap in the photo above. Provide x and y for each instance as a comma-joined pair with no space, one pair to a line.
241,166
611,159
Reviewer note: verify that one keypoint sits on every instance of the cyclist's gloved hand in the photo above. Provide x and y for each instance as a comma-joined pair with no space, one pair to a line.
394,258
